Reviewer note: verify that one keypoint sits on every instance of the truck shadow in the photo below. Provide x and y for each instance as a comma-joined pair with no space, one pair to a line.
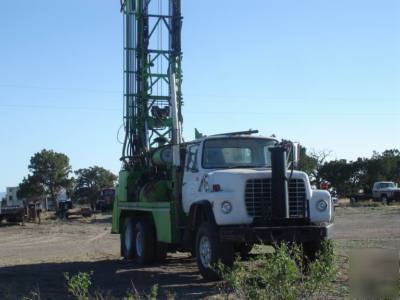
114,278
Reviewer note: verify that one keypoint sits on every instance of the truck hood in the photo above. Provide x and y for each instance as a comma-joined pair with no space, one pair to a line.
252,173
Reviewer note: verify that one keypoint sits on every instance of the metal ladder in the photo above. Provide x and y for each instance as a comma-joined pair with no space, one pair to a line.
152,49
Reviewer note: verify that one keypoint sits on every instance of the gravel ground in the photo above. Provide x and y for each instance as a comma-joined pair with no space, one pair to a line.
34,257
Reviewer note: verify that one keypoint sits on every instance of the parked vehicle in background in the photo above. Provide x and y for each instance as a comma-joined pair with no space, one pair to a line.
13,209
64,203
359,196
385,191
66,208
106,199
334,197
13,214
34,210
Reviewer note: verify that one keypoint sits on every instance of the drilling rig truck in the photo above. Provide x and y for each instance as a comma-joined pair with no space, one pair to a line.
214,196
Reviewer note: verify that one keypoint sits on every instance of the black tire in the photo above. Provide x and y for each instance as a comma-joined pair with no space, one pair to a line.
127,239
209,251
311,250
145,242
193,251
161,252
22,220
244,250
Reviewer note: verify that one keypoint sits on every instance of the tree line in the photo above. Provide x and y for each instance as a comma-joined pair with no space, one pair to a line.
50,172
349,177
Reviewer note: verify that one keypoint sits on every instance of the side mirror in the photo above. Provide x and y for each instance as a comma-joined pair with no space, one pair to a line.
296,154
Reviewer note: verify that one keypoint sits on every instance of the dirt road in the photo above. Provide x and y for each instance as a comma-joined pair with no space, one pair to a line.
36,256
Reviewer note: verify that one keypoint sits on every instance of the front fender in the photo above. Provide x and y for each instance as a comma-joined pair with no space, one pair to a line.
238,215
199,210
320,216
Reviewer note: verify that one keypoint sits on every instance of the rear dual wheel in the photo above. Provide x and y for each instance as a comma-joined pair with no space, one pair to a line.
138,242
145,240
127,239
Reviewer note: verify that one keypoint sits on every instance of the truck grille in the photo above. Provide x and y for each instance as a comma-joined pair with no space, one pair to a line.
258,197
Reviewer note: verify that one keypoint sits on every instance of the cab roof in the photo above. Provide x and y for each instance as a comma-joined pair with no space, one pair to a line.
231,136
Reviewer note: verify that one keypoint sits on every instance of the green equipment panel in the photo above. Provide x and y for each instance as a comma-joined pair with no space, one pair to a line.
161,213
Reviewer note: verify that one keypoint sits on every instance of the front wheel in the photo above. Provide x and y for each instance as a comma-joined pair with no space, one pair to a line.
244,250
210,251
312,249
160,251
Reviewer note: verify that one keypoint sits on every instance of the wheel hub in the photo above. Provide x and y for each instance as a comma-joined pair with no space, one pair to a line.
205,251
128,238
139,243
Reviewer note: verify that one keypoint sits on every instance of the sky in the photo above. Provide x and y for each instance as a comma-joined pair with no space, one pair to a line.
323,73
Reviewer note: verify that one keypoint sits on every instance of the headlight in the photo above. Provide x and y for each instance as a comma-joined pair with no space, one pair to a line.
322,205
226,207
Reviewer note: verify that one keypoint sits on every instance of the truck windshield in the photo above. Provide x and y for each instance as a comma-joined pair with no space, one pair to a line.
385,185
237,153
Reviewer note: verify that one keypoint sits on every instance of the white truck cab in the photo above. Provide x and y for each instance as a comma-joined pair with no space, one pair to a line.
233,173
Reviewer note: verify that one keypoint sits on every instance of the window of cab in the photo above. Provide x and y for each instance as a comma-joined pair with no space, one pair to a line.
191,157
236,152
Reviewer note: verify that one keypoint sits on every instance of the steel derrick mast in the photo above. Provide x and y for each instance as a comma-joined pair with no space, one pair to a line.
152,76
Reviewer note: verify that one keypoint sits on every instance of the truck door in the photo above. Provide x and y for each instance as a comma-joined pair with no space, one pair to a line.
191,177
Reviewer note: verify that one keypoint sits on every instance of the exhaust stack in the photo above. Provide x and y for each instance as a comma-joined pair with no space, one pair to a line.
280,195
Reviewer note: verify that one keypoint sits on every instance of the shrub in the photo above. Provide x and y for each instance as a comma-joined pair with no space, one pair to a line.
284,274
78,285
133,294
